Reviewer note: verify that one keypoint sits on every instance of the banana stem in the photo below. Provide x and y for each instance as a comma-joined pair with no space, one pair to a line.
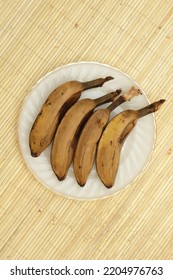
96,83
116,103
107,98
153,107
124,97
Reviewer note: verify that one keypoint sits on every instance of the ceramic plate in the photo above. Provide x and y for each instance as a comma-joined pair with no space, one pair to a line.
137,148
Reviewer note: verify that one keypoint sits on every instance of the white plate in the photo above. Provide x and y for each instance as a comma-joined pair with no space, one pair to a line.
136,151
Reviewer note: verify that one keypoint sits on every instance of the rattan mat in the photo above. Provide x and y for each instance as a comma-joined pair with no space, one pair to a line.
37,37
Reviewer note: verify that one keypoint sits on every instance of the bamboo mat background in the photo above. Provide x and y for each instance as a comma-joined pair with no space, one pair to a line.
38,36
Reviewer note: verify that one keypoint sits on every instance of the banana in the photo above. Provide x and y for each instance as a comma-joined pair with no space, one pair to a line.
68,130
112,139
58,102
84,155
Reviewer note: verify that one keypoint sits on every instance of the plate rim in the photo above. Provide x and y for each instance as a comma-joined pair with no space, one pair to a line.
19,142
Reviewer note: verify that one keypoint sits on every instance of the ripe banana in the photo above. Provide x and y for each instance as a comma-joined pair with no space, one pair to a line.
67,133
58,102
86,146
112,139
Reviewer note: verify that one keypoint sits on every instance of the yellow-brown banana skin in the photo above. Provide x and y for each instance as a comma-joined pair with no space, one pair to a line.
112,139
86,146
58,102
65,142
110,144
45,125
66,136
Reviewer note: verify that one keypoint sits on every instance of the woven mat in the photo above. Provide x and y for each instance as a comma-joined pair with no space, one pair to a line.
39,36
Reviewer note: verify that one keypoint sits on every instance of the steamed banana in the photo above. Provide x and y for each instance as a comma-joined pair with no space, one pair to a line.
67,133
112,139
86,146
63,97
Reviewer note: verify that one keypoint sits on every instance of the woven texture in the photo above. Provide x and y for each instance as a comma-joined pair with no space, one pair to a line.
39,36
